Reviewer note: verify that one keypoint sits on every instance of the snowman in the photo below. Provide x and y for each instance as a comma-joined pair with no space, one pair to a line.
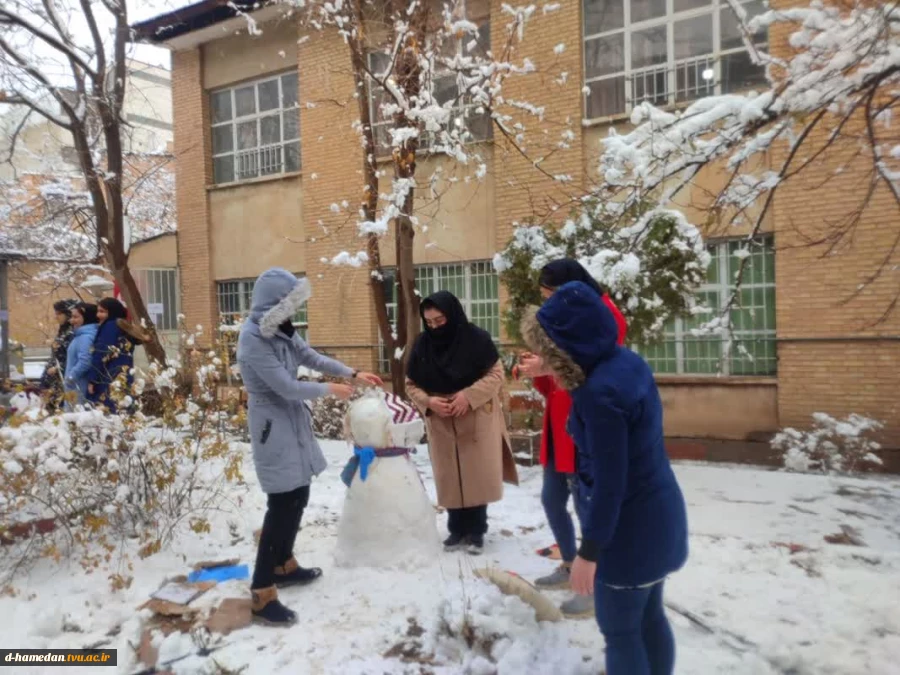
388,520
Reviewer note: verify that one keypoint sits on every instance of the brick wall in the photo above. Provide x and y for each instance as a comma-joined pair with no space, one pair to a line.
523,190
194,170
854,370
340,310
838,352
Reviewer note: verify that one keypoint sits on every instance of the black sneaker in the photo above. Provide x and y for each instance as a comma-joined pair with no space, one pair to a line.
454,542
476,544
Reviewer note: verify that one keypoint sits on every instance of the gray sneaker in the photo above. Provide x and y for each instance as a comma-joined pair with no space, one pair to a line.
558,579
578,607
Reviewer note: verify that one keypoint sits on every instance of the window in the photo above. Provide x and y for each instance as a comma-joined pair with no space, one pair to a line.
753,317
664,52
466,114
256,129
475,284
235,299
159,289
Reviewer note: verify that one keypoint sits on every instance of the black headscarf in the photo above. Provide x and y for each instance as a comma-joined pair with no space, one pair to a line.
88,311
561,272
114,308
455,356
64,307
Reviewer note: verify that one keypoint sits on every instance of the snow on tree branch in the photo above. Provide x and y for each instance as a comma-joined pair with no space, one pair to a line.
845,65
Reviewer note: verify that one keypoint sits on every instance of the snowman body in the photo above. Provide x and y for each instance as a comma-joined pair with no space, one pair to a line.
388,520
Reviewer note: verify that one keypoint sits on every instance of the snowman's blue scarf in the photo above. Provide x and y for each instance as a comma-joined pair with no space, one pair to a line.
362,459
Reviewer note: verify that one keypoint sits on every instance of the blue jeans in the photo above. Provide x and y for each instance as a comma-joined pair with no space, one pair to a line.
555,497
638,636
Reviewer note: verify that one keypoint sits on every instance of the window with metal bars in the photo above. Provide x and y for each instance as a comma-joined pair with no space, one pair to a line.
235,299
256,129
752,315
476,284
664,52
159,290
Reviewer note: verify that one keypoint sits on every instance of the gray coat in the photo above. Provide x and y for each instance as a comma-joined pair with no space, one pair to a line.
285,451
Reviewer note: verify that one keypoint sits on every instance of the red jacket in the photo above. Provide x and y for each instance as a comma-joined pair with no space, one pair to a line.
556,410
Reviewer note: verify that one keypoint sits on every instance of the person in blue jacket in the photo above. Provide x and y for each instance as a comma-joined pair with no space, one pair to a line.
634,528
113,354
78,359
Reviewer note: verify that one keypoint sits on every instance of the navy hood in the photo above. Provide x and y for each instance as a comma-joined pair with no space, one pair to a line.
574,331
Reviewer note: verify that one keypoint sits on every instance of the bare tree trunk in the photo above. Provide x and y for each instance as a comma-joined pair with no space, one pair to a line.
408,72
154,348
370,204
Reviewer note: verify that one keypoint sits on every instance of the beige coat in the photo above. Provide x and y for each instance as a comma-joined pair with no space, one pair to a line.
470,455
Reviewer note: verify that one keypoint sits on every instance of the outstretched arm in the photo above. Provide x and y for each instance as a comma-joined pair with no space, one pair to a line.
326,365
265,364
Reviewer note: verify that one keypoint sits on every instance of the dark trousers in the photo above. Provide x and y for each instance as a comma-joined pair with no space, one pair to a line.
284,511
468,521
638,636
555,494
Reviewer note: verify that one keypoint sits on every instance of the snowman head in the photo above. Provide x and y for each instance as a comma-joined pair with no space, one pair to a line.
382,420
368,422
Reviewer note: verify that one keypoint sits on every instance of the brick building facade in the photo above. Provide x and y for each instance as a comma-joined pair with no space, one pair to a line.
248,199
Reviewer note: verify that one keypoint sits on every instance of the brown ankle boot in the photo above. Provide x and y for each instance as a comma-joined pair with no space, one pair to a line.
267,609
291,574
287,568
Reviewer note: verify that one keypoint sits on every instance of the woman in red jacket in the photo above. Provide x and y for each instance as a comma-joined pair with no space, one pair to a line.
557,448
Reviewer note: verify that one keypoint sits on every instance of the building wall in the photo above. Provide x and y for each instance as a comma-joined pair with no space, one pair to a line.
254,227
192,152
832,357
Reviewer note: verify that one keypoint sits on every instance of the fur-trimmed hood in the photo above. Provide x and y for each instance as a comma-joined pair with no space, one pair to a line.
573,331
277,296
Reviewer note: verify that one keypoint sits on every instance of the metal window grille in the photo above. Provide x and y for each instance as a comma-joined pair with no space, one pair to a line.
753,317
160,287
476,284
256,129
664,52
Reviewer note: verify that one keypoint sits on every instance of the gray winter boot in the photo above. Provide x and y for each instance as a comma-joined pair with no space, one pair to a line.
558,579
578,607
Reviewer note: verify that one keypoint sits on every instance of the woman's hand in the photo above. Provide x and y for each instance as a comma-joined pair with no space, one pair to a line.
51,370
581,578
440,406
341,391
370,378
459,405
531,365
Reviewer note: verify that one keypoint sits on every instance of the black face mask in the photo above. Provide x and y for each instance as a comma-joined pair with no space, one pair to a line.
442,333
287,328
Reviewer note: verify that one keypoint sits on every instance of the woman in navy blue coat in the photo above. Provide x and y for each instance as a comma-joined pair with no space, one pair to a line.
113,354
634,528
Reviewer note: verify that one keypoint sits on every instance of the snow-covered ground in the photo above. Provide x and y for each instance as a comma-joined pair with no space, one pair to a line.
763,591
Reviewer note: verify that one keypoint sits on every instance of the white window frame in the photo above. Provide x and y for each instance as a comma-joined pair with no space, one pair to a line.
671,66
724,288
142,279
273,149
467,302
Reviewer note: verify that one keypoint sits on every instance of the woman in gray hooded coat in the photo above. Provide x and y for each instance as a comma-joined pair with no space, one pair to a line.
285,451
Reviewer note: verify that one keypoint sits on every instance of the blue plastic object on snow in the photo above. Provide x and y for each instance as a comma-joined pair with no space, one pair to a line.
220,573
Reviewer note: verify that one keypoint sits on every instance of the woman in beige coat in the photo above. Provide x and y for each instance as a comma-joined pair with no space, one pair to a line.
455,378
